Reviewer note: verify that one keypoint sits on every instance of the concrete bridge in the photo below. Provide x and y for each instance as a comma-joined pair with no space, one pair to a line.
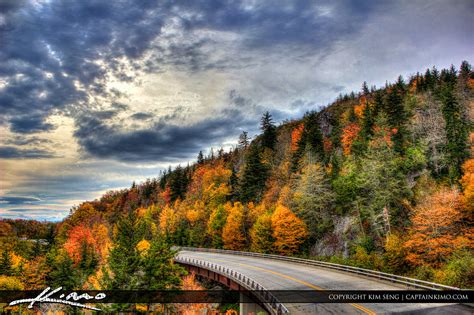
260,272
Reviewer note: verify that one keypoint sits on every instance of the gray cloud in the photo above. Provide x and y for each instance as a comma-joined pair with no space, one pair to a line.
164,141
9,152
18,200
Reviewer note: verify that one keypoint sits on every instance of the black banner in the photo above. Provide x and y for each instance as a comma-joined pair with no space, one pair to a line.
229,296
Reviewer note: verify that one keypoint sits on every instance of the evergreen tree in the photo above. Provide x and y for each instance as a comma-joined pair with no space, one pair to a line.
200,158
456,130
365,88
368,121
124,258
178,183
158,269
234,184
5,263
243,140
63,273
397,115
269,131
254,176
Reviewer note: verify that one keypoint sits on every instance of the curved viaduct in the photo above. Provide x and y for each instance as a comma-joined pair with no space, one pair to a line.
268,272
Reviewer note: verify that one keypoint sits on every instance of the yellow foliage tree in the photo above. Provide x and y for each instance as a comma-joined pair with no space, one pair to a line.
288,230
233,234
261,234
168,220
467,182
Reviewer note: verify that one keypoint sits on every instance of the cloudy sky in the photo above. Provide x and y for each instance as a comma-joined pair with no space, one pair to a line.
95,94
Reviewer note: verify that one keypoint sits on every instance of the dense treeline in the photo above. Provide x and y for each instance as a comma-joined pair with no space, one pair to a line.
382,179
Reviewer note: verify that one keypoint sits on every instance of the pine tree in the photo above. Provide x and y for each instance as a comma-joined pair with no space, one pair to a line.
243,140
254,176
124,258
365,89
397,115
456,130
158,269
5,263
63,273
200,158
269,131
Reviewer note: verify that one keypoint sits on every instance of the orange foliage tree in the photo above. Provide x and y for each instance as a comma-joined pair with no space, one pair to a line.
289,231
437,229
349,134
78,237
467,182
233,234
296,136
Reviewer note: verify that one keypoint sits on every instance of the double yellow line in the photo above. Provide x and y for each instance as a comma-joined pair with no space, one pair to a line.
312,286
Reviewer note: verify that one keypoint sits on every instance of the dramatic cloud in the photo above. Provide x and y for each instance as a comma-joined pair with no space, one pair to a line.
7,152
95,93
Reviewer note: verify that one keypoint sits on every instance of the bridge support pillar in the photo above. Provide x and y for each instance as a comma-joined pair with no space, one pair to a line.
248,307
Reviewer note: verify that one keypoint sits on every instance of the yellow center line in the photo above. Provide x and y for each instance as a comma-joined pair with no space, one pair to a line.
315,287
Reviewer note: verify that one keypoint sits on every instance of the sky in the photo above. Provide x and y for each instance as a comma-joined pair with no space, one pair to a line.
96,94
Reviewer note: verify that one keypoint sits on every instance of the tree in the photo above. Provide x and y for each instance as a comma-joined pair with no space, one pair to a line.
217,221
254,176
269,131
63,273
200,158
6,263
124,258
397,116
261,234
233,233
244,140
289,231
158,268
313,198
365,88
456,130
467,182
437,230
349,134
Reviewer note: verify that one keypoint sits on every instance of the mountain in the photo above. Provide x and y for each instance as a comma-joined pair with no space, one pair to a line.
381,179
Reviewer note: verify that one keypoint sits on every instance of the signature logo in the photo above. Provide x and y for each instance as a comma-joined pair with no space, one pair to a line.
71,299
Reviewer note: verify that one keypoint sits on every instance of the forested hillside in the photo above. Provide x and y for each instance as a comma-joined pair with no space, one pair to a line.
382,178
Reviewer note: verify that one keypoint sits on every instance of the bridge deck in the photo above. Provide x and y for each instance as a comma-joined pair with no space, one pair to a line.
282,275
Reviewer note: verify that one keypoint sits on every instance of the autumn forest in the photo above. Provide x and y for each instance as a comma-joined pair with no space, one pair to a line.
382,178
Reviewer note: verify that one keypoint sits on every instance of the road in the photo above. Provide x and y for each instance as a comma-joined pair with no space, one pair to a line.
282,275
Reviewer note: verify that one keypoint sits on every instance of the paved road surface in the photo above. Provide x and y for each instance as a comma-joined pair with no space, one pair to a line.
282,275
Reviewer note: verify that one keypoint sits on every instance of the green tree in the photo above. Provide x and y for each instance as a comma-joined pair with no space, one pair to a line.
313,199
269,131
261,234
254,176
5,263
124,259
397,116
217,221
63,273
456,130
158,269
